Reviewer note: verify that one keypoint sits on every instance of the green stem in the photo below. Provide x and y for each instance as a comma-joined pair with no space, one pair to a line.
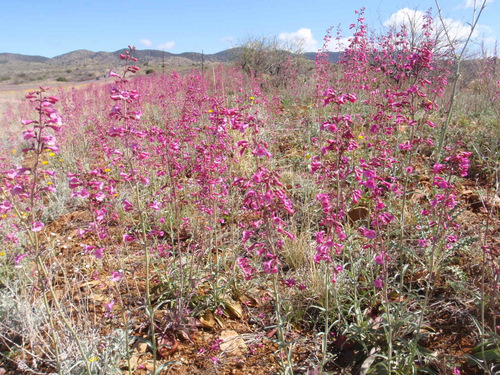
324,343
389,321
483,282
54,335
457,59
149,306
281,331
41,268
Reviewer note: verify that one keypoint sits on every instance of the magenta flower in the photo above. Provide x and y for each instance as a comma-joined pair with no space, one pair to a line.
368,233
98,253
405,146
381,258
28,134
37,226
88,248
52,99
127,205
378,283
113,74
50,173
127,238
19,258
116,276
261,150
245,266
246,235
356,196
155,205
438,168
28,122
109,306
74,182
5,206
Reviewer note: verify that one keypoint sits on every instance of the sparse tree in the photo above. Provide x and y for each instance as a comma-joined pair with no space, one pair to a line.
271,57
458,52
443,31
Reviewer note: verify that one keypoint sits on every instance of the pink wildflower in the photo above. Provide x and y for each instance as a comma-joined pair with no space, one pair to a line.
116,276
109,306
19,258
98,253
378,283
37,226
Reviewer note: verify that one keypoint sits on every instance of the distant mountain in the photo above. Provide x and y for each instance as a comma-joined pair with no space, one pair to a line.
82,56
8,57
332,56
228,54
86,57
84,65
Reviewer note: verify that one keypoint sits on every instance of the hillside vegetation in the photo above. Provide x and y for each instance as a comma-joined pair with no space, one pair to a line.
342,220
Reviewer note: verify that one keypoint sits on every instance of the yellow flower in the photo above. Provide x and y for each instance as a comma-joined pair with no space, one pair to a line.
60,159
93,359
210,111
52,154
14,152
49,183
252,98
2,254
4,216
45,162
361,136
308,156
107,170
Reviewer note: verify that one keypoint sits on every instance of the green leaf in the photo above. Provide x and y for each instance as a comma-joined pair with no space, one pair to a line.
142,339
426,370
492,355
166,364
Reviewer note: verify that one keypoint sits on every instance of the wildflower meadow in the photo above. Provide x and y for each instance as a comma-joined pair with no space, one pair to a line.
339,219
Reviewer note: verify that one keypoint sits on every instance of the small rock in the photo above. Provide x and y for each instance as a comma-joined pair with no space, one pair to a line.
134,360
232,342
141,348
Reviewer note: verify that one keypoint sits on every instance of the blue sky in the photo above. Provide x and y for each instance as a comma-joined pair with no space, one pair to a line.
54,27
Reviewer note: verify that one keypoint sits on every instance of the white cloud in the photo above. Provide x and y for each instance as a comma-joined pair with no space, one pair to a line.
146,42
339,45
413,21
302,37
407,17
474,3
167,45
457,30
227,39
